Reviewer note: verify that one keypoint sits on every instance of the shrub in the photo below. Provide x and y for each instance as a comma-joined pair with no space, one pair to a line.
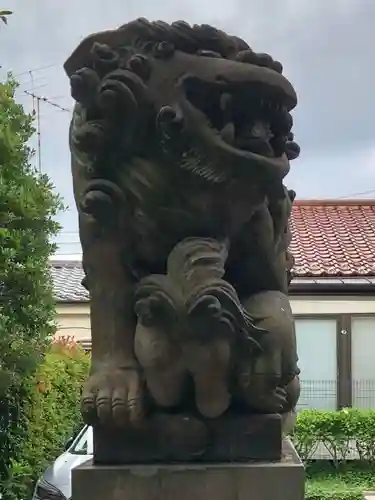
340,432
27,208
51,412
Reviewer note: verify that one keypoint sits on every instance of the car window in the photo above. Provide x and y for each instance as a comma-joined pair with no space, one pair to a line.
83,445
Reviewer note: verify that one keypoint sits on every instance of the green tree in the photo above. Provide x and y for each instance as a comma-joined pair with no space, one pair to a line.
28,205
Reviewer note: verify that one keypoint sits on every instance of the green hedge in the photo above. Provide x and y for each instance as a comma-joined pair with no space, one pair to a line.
339,433
52,416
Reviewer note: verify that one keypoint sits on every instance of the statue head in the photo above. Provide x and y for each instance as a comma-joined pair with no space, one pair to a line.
187,95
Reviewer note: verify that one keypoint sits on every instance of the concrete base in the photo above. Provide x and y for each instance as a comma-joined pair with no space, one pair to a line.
236,481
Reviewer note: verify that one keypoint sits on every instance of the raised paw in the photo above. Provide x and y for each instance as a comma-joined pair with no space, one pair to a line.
113,397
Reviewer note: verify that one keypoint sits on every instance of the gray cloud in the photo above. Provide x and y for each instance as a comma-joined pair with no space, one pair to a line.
325,47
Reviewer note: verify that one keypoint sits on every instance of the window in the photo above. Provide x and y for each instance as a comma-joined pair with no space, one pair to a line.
84,443
317,351
363,362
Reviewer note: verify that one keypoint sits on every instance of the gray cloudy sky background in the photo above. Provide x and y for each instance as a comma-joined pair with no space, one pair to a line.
326,47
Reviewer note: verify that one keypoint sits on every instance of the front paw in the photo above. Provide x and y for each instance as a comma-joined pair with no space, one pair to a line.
113,397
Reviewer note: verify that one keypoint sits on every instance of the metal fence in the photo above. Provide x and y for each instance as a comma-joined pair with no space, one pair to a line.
323,394
318,395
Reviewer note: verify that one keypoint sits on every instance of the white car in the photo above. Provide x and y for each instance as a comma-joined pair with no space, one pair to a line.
56,482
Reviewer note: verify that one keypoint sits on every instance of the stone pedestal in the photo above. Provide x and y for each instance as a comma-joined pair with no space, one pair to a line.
181,439
279,480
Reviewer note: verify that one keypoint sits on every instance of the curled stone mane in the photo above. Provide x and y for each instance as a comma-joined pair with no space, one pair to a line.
187,38
141,32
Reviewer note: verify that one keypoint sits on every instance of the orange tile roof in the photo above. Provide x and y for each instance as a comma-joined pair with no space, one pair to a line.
333,237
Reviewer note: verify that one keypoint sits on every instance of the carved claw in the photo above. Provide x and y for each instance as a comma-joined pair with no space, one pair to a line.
113,397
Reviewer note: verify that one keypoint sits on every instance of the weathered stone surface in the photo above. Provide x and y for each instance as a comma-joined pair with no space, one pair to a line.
281,480
180,140
177,438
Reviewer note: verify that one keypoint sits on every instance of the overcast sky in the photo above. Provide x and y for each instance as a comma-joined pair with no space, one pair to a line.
326,47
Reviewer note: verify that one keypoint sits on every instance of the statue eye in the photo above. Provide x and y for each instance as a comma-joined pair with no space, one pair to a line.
209,53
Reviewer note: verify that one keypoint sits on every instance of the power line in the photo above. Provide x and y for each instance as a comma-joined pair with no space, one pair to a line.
351,195
33,88
40,68
46,100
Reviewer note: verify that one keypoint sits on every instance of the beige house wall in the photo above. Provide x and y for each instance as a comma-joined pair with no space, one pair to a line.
74,320
306,305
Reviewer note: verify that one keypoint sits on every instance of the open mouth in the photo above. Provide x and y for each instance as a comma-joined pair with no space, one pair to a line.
251,117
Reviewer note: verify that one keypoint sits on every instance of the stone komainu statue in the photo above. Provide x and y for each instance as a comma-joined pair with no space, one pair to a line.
180,140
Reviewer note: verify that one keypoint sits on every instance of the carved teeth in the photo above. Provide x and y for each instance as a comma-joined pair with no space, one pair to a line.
227,133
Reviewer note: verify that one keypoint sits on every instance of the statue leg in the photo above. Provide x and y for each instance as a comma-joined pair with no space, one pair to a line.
113,394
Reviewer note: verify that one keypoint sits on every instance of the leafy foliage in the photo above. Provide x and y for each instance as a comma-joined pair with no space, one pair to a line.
340,432
27,207
332,490
324,482
52,415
